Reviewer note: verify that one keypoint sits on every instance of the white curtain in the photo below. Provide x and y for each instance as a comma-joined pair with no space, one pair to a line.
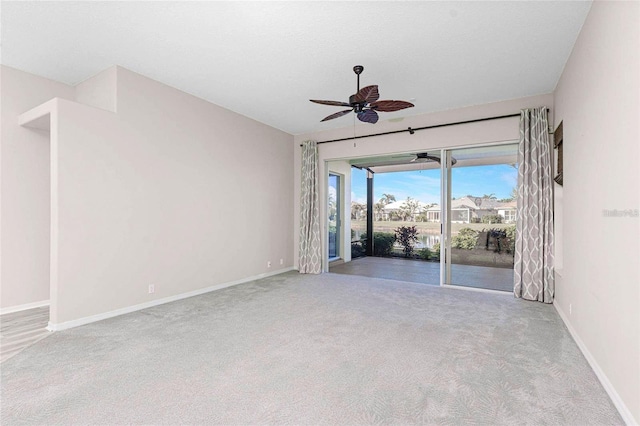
533,263
310,253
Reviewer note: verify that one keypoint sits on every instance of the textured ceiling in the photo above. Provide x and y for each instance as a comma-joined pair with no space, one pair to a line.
266,59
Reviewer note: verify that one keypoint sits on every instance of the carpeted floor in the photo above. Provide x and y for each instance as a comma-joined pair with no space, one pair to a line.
301,349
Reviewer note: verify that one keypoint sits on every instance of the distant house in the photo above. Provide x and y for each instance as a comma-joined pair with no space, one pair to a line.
473,209
433,213
508,211
397,209
464,210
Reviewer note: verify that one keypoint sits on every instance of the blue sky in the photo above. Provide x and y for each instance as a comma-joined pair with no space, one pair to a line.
424,185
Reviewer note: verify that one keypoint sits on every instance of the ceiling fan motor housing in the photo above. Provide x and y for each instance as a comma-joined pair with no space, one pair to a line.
357,106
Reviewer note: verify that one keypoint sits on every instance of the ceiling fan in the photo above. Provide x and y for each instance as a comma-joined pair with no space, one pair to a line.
364,103
423,157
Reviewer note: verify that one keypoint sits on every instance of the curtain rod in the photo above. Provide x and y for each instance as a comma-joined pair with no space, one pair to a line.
412,130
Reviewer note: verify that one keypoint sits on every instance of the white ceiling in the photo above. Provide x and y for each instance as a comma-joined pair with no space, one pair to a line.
265,59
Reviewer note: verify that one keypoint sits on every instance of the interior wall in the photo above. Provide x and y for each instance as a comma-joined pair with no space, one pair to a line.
24,189
100,90
444,137
170,191
343,169
598,291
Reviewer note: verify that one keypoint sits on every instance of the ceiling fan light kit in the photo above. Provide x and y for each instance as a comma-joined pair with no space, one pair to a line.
364,102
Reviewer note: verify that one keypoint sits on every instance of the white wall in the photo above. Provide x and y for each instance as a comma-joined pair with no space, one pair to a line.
171,190
445,137
100,90
24,189
598,291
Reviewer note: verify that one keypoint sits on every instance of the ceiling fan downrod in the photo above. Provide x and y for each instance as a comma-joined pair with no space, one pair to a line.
358,70
358,106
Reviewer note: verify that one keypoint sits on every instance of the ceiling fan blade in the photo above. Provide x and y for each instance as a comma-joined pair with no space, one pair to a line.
334,103
367,94
337,114
389,106
368,116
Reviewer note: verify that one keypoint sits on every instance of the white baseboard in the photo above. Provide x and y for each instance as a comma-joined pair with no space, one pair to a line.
18,308
625,413
99,317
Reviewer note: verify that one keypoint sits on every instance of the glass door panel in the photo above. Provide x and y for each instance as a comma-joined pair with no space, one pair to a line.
334,211
480,205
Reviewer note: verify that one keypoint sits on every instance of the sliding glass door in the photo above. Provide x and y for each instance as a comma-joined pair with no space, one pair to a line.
479,208
334,211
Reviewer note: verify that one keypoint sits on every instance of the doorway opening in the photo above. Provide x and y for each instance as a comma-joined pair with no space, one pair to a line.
439,217
394,220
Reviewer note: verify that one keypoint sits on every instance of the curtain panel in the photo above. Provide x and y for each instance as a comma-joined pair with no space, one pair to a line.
310,252
533,262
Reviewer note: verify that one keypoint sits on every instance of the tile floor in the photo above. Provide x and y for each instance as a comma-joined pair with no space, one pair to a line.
427,272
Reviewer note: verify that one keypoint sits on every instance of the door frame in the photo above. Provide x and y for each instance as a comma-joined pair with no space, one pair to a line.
445,213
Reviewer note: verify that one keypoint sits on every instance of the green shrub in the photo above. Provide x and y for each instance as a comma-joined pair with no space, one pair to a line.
424,253
492,218
382,243
407,236
357,250
435,251
510,232
467,239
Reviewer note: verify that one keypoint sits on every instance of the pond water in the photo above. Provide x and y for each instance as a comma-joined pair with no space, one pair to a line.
424,239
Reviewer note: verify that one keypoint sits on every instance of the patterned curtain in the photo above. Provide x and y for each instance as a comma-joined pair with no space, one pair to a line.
310,253
533,263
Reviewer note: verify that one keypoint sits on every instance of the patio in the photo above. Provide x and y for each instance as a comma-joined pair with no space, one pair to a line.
427,272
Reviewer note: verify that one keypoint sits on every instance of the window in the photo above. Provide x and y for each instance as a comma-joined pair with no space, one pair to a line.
557,143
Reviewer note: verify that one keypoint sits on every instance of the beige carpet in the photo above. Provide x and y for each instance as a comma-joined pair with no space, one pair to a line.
300,349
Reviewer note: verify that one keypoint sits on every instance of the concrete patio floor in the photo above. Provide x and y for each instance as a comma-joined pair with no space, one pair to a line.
427,272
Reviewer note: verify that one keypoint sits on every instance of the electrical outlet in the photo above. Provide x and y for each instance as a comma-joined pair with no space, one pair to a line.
269,264
152,288
282,261
570,308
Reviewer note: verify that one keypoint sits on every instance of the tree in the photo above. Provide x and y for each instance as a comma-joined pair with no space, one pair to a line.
409,208
358,210
387,199
491,196
513,197
395,215
333,208
378,209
